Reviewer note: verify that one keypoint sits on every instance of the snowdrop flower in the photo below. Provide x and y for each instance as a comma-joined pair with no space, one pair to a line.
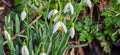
23,15
7,35
24,50
43,51
88,2
58,25
72,32
43,54
52,13
68,7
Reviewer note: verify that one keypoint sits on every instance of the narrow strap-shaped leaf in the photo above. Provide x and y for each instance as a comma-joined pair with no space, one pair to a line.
1,45
17,23
17,50
63,44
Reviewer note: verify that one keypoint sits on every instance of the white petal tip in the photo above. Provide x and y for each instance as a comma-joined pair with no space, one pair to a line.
43,54
67,6
72,32
89,3
52,13
23,15
24,50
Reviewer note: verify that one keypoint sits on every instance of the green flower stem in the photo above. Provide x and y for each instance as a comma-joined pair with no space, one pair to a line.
43,49
46,15
56,6
61,18
11,47
77,14
72,24
50,45
63,44
60,6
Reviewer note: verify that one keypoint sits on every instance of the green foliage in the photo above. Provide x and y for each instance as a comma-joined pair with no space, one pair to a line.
85,30
89,31
40,35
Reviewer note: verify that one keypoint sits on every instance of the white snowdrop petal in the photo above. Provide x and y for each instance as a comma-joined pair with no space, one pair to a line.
72,32
24,50
64,27
57,25
117,14
43,54
54,12
66,8
89,3
7,35
23,15
56,18
50,14
71,8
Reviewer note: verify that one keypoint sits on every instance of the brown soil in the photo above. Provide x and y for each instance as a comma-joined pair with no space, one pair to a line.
5,7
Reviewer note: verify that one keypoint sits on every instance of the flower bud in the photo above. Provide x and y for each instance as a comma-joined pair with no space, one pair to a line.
24,50
23,15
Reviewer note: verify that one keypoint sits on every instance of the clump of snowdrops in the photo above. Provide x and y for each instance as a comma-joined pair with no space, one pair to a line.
50,34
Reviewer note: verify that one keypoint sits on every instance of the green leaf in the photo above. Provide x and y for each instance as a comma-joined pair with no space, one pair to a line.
17,22
37,2
82,37
89,38
17,2
96,1
62,45
79,26
17,50
108,21
101,37
113,38
106,13
87,21
30,46
118,22
1,45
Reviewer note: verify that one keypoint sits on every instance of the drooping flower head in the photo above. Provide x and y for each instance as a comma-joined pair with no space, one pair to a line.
24,49
53,12
23,15
88,2
58,25
68,7
7,35
72,31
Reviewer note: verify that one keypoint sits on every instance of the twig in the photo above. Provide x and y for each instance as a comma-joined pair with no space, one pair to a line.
21,32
